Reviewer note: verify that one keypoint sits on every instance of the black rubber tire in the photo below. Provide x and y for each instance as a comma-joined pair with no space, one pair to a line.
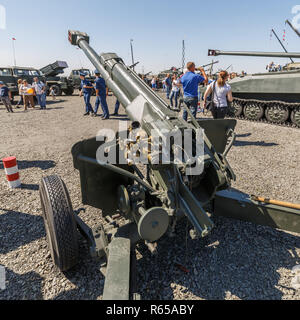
59,222
57,90
253,112
68,92
295,117
277,114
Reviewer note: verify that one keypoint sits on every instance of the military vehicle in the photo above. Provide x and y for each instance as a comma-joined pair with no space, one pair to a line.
274,96
144,202
48,74
51,73
10,76
74,77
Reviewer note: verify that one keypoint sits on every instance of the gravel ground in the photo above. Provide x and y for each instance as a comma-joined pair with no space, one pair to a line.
237,261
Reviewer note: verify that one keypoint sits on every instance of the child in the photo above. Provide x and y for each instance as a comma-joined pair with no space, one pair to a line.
5,97
52,93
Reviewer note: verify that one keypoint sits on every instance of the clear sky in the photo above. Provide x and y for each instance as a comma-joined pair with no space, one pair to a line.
157,28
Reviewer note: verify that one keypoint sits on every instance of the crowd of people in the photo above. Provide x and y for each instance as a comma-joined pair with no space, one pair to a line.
216,97
30,95
272,67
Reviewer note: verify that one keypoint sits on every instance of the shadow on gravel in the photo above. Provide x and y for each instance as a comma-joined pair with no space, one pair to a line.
237,259
244,135
23,164
33,187
254,143
27,286
86,276
18,229
50,102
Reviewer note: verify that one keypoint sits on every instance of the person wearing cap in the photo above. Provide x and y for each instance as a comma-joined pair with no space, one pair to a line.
101,93
190,82
5,96
86,92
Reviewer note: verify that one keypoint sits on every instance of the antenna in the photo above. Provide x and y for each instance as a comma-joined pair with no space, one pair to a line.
281,44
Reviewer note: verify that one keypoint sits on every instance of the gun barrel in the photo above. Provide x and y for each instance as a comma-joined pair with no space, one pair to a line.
212,52
209,64
124,82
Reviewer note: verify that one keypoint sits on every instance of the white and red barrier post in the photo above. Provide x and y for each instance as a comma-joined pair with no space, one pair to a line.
12,172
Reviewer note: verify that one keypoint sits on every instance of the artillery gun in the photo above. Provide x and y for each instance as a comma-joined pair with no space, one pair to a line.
145,201
274,96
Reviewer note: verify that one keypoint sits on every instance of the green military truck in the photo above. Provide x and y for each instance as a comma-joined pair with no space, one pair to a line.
48,74
10,76
59,84
74,78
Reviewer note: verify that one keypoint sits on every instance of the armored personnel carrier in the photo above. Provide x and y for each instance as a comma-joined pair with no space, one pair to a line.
270,96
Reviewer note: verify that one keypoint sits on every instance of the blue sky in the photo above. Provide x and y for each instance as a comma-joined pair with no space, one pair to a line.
157,28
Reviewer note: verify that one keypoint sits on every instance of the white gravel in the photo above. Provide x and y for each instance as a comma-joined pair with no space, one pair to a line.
237,261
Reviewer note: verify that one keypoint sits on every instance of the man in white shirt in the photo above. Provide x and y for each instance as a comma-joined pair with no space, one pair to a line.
40,90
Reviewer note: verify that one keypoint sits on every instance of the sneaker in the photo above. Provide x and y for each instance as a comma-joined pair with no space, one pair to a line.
86,114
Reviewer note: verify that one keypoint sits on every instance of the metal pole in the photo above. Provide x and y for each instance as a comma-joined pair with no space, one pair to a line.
273,31
132,57
183,55
14,52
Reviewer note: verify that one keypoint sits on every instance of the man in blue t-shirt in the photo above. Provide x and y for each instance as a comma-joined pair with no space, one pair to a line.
5,96
190,82
86,92
101,96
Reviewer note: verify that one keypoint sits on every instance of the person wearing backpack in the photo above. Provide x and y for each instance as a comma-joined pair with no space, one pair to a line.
221,94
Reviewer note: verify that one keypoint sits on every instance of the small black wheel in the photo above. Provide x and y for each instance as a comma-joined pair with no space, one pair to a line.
277,114
59,222
253,111
57,90
69,92
295,116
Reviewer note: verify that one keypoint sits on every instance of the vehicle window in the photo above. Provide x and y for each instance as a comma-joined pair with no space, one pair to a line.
34,73
25,72
5,72
21,72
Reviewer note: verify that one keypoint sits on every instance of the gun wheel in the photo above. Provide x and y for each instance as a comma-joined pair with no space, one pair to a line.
59,222
277,114
253,111
295,117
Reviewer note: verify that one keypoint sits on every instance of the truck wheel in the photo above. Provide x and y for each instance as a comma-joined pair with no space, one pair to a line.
57,90
69,92
59,222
